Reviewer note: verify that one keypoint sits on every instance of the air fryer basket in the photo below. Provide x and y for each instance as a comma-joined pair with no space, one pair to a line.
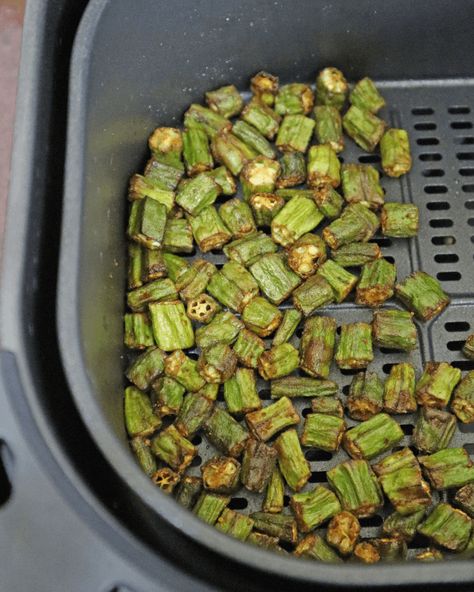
138,65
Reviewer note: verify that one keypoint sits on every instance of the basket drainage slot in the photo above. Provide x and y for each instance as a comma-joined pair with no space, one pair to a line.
6,466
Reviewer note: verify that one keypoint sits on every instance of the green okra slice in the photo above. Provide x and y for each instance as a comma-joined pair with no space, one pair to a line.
202,308
156,291
172,328
429,555
217,363
225,433
265,206
274,277
138,332
354,350
193,281
224,180
166,144
331,88
188,491
281,526
448,527
231,152
356,254
140,187
144,456
278,361
343,532
356,487
164,173
448,468
317,346
248,249
140,419
287,194
258,464
436,384
328,406
328,200
324,167
173,448
365,128
167,396
372,437
395,152
295,133
463,399
323,431
253,138
390,549
434,430
265,541
376,284
365,398
262,117
306,255
399,389
154,266
240,392
366,552
315,547
209,230
394,329
224,328
401,480
205,119
314,507
399,220
248,348
261,317
268,421
291,461
166,479
225,100
265,87
209,390
194,411
292,170
275,491
183,369
135,265
464,498
235,524
197,153
147,221
298,216
288,325
357,223
221,474
403,526
237,216
329,127
294,99
210,506
341,281
361,184
197,194
366,96
302,386
422,294
228,292
468,347
259,176
175,265
146,368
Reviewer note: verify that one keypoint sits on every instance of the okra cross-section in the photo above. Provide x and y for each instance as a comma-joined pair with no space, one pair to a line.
171,326
355,346
173,448
265,206
331,88
202,308
434,430
372,437
140,419
293,465
225,433
297,217
376,283
365,396
323,431
464,498
448,468
313,508
306,255
422,294
221,474
468,347
259,176
394,329
361,184
265,87
274,277
447,527
268,421
317,346
436,384
399,389
343,532
279,361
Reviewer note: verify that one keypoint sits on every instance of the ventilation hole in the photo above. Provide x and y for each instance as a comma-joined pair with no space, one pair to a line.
299,332
197,460
221,199
265,394
219,265
341,159
455,345
306,411
464,140
465,428
286,500
167,421
197,440
425,126
469,448
435,189
433,173
469,188
407,428
465,155
467,172
438,205
338,330
430,156
220,394
120,589
441,223
470,221
369,158
443,240
385,350
458,110
313,455
456,326
469,204
461,124
427,141
191,254
422,111
464,365
472,239
383,242
318,477
446,258
238,503
448,276
193,355
389,259
387,367
375,520
346,388
349,371
6,469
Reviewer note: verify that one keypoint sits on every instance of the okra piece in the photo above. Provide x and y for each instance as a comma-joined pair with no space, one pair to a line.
298,216
248,348
268,421
202,308
175,266
394,329
235,524
233,286
253,138
464,498
328,406
363,127
328,200
314,507
372,437
273,501
288,325
167,396
343,532
429,555
468,347
436,384
166,479
365,396
324,167
194,280
399,220
400,477
184,370
401,526
375,286
221,474
361,184
224,180
366,96
135,265
280,526
157,291
354,350
261,317
323,431
209,390
306,255
225,100
265,541
223,328
331,88
147,221
146,368
463,400
315,547
240,392
237,216
138,333
231,152
262,117
356,487
422,294
153,266
217,363
317,346
448,527
225,433
171,327
399,389
173,448
210,506
291,461
144,456
390,549
356,254
278,361
197,194
188,491
250,248
166,144
341,281
164,173
395,152
302,386
274,277
366,552
292,170
197,153
434,430
265,87
357,223
287,194
141,187
138,411
209,230
259,176
205,119
265,206
295,133
258,464
448,468
329,127
294,99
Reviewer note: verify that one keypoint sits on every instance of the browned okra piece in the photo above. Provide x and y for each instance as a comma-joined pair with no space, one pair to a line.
268,421
221,474
258,464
